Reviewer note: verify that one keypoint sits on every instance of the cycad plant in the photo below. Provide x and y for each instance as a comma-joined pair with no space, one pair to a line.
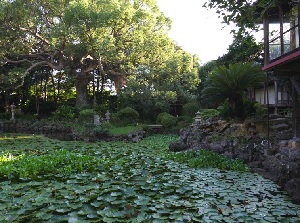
231,83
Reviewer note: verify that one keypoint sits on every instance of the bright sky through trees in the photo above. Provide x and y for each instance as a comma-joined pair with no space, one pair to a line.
196,29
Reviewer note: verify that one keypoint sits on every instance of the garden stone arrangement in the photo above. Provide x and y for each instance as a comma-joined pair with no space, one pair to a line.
275,158
46,180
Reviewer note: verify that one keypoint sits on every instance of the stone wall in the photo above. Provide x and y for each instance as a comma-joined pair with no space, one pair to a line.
270,153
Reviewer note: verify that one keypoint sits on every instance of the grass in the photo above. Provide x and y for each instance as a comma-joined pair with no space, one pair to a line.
123,130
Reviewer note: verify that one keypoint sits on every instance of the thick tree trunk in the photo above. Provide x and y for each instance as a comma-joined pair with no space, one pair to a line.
82,95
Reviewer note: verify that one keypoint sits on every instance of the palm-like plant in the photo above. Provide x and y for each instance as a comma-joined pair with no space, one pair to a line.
231,83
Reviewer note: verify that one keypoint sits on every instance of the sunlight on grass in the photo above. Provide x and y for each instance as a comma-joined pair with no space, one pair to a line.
7,157
123,130
14,136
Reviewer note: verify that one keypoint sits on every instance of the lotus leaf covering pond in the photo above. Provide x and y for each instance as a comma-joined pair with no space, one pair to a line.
138,184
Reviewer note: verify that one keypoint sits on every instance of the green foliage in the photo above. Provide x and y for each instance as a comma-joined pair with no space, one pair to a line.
128,33
100,131
169,121
249,107
65,112
39,166
86,115
184,121
101,108
206,158
166,120
244,48
209,113
5,116
123,130
160,116
132,183
153,89
260,110
190,108
125,116
225,110
225,82
246,15
230,83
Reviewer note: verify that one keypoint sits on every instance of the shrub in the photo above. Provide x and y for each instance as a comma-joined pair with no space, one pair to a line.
166,120
65,112
5,116
184,121
209,113
100,131
126,116
225,110
86,115
249,107
260,110
190,108
159,118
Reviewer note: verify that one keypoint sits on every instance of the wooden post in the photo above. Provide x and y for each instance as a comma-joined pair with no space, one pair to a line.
298,23
266,40
281,31
276,95
296,113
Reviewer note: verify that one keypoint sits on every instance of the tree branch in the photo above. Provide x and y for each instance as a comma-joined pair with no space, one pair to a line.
36,34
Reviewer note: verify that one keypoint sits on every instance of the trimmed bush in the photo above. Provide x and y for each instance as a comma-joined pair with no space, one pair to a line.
166,120
159,118
126,116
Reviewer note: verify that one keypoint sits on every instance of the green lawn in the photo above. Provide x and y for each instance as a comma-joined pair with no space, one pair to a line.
44,180
123,130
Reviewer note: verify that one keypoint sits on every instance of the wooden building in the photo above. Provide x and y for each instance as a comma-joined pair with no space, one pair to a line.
282,50
275,96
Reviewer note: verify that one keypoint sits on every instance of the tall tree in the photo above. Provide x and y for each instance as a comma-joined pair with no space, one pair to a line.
79,37
244,48
154,88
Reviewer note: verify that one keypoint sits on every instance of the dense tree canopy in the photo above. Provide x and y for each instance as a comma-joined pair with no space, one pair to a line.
76,40
153,90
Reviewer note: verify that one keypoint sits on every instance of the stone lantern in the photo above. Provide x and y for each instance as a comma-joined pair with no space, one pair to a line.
107,116
198,117
13,110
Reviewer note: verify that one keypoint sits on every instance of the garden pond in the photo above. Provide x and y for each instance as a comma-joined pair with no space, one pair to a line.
47,180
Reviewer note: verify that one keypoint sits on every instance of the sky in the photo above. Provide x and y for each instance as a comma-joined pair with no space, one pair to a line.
196,29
